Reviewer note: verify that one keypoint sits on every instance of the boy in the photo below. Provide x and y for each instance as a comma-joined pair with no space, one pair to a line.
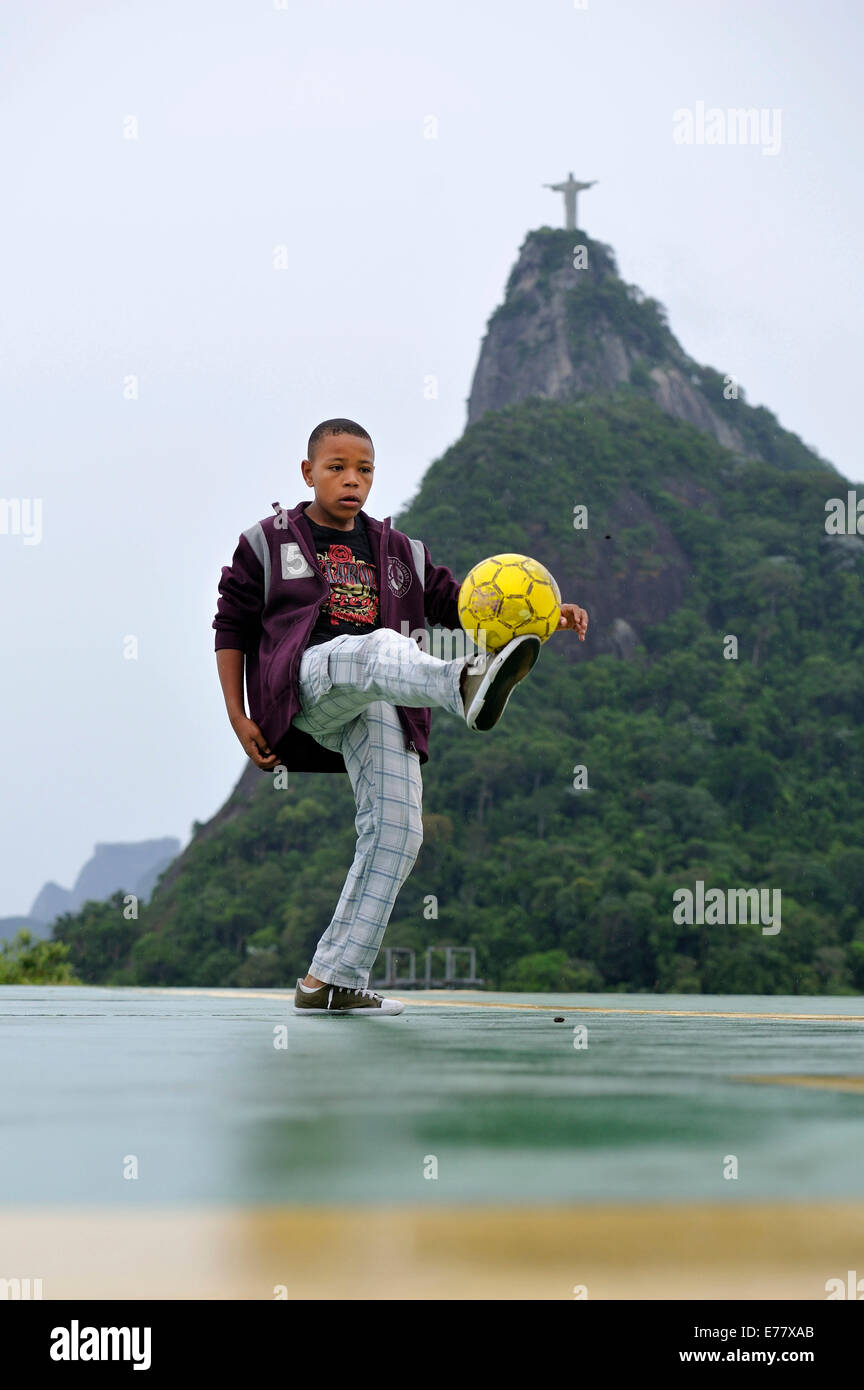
316,603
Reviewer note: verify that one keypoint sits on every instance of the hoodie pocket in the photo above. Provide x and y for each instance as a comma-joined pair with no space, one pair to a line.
314,678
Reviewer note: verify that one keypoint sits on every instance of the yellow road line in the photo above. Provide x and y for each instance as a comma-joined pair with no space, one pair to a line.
660,1013
411,998
852,1084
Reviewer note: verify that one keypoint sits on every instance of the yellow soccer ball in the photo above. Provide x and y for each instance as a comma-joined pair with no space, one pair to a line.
507,596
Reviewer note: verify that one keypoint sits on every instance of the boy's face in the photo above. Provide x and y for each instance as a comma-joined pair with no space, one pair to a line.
341,474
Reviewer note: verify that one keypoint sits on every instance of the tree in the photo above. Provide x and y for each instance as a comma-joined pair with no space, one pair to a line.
25,961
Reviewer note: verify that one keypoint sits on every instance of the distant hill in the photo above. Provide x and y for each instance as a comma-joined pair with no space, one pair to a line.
711,728
10,926
132,868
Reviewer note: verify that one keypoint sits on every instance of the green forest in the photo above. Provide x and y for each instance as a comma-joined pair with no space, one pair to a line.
742,772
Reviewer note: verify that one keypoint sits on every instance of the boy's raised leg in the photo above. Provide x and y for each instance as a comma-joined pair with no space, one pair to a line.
340,678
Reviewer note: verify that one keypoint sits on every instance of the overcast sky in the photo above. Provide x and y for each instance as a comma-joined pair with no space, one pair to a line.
304,127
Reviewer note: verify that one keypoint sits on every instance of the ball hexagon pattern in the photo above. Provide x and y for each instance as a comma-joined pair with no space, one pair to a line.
507,596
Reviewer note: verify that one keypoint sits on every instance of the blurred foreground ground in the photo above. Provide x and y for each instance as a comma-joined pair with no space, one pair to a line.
279,1153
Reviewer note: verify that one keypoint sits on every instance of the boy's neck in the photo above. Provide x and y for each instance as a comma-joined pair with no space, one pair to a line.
324,520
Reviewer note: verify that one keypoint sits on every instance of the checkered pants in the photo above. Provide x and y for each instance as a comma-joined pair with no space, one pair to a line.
348,689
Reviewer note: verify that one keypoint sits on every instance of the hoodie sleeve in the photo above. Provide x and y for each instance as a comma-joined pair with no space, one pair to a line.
440,594
241,601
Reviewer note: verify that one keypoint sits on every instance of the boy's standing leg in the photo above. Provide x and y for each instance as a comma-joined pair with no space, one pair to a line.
388,792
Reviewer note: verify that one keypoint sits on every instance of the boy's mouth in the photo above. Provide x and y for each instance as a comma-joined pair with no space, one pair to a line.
350,501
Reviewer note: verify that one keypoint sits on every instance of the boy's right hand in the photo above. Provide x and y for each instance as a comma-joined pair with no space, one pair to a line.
254,743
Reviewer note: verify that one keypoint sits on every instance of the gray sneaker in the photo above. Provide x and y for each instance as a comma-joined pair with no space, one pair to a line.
331,999
490,679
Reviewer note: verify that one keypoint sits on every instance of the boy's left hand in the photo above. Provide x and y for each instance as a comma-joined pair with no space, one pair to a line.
574,617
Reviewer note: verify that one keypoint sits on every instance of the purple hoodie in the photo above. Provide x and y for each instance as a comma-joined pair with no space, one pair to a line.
269,598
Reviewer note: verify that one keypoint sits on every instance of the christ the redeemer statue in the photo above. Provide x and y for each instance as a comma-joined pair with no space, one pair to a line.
570,189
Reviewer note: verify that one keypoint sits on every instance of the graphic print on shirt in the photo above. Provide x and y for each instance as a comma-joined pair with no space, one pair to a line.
353,586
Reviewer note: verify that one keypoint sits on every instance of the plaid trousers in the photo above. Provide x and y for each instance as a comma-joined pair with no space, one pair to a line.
348,689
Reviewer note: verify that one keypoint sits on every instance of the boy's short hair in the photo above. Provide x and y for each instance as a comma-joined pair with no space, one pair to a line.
335,427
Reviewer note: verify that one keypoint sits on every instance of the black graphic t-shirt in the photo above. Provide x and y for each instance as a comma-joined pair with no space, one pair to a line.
346,559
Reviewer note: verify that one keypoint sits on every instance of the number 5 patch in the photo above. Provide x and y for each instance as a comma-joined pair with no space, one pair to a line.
294,562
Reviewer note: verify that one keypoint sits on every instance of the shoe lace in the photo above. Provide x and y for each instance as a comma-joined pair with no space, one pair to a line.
367,993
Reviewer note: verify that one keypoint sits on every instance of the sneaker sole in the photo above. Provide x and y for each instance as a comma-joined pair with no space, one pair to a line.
387,1013
493,699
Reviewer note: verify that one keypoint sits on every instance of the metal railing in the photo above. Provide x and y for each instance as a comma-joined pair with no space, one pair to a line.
453,978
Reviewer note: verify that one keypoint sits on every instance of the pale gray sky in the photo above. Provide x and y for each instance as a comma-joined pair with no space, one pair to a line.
303,127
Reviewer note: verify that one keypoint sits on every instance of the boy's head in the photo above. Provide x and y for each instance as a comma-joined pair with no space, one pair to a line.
340,467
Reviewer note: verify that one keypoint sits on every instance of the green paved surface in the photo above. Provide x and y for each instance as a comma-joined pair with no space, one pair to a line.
191,1083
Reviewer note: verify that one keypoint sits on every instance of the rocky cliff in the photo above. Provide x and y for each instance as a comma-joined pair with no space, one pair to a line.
569,327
